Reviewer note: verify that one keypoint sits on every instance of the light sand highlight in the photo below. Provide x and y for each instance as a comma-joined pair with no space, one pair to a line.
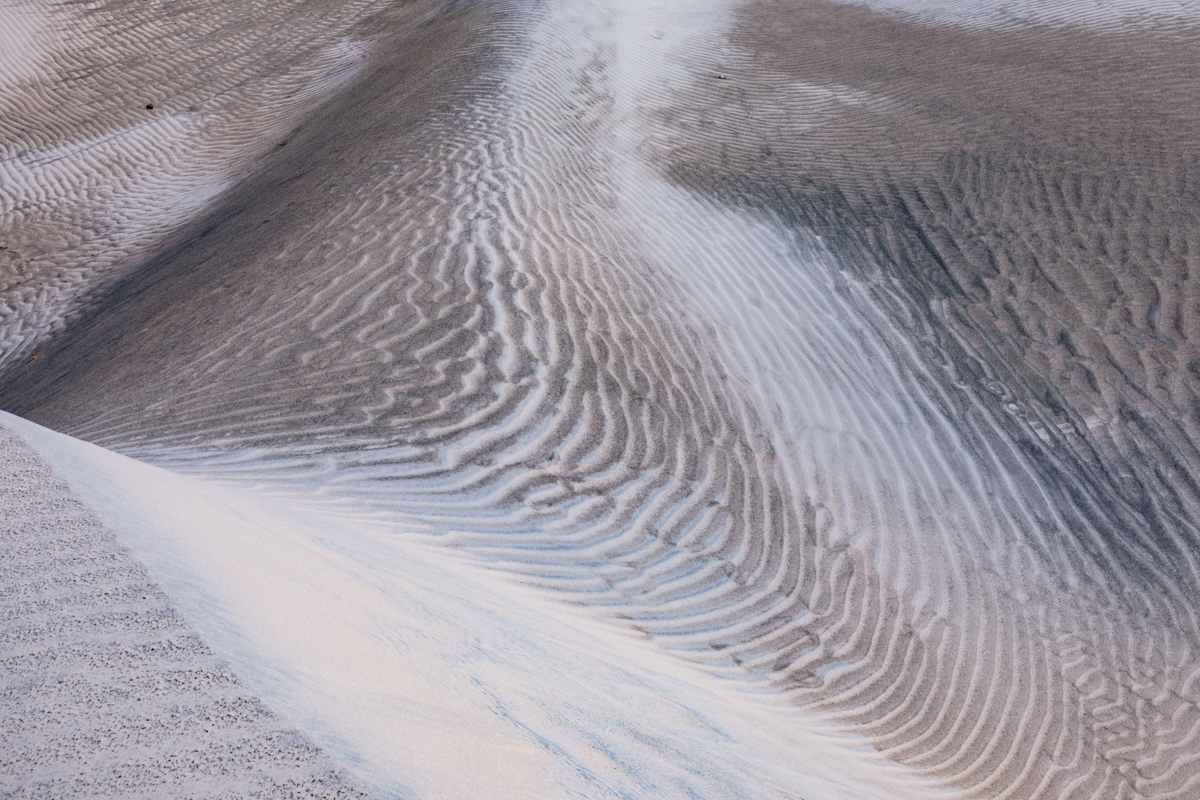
435,679
105,690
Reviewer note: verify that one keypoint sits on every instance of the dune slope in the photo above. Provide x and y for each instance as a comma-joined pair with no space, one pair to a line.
847,353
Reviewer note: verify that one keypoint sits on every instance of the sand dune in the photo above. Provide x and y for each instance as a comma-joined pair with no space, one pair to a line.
848,353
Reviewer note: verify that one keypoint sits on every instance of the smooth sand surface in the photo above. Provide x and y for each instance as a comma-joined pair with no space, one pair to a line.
107,691
847,353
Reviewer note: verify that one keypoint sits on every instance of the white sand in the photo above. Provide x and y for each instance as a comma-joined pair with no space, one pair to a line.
1015,13
428,676
105,690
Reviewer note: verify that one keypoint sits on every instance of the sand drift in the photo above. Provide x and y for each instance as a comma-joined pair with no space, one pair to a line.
768,399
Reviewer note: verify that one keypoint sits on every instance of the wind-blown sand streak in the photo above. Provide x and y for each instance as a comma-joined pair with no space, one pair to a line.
876,404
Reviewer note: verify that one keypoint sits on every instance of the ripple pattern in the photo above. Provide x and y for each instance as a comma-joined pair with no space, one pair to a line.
120,121
583,303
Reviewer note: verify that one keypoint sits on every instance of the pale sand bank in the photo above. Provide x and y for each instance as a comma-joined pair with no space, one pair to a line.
434,679
105,690
121,122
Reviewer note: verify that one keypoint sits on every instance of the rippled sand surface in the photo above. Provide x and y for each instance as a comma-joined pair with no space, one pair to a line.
846,355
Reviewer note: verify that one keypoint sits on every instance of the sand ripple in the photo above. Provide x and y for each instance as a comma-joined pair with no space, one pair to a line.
905,441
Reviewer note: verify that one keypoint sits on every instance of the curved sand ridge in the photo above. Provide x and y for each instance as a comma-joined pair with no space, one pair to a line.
426,676
753,419
106,690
